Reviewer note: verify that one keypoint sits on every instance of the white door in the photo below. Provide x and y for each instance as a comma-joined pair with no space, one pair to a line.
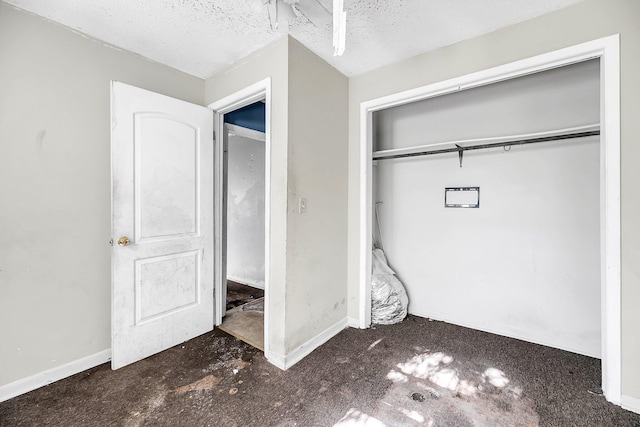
162,201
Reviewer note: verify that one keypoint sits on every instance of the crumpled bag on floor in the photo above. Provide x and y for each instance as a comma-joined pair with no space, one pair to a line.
389,299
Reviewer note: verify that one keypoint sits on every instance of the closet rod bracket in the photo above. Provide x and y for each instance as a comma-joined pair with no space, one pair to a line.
460,153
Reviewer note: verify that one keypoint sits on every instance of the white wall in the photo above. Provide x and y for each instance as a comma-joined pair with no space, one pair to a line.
55,196
245,209
317,239
525,263
560,98
588,20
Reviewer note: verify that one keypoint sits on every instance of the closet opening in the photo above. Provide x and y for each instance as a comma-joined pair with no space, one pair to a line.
535,254
525,262
243,223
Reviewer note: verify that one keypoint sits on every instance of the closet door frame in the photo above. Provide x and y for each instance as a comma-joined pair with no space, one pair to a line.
607,49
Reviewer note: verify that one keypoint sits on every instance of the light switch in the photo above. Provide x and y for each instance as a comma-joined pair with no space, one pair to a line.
302,205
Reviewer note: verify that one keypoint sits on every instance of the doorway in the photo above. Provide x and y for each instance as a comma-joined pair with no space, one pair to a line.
607,49
244,224
520,258
258,93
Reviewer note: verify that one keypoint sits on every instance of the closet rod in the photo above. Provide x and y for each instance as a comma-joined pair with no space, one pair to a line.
460,149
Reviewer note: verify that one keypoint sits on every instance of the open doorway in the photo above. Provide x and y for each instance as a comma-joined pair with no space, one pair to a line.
514,247
258,92
607,49
243,223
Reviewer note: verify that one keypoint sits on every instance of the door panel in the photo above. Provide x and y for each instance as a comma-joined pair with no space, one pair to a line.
166,284
162,184
166,177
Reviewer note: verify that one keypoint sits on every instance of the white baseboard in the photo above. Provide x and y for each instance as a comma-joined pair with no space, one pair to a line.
276,359
38,380
630,403
284,362
353,322
496,330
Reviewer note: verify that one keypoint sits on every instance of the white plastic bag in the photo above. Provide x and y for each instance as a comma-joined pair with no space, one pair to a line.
389,299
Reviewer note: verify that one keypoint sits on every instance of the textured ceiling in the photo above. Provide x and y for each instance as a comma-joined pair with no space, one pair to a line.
201,36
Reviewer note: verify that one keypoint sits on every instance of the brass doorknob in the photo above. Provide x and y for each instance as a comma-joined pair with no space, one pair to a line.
124,241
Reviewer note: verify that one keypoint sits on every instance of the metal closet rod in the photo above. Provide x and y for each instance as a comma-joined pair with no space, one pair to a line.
460,149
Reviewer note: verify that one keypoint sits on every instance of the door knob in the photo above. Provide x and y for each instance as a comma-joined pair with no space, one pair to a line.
124,241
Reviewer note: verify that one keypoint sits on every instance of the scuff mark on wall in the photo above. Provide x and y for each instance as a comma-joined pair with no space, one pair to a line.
40,139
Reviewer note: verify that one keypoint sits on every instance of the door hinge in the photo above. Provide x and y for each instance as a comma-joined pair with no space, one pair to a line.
214,136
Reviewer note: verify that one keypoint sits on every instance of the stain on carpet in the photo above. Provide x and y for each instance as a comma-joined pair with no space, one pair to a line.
206,383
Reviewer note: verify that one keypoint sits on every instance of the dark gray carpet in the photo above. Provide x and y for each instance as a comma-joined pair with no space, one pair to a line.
414,373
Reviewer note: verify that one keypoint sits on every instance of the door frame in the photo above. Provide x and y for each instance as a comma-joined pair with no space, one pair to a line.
607,49
258,91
